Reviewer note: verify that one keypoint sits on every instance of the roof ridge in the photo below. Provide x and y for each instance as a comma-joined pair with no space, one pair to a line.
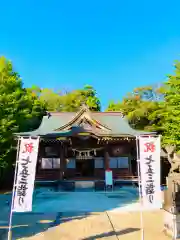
108,113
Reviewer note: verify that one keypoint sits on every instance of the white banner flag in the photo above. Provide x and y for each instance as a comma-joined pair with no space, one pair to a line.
150,172
26,169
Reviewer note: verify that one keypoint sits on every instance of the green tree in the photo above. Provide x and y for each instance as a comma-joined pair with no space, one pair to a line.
142,107
171,111
20,110
48,97
73,100
68,101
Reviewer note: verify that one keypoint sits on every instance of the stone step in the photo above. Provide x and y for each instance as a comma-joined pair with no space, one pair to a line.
84,184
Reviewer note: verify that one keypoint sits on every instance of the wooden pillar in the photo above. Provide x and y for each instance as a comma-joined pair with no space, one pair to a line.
106,159
40,153
62,160
130,164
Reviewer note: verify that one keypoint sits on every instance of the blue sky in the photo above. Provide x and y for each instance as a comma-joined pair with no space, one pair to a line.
112,45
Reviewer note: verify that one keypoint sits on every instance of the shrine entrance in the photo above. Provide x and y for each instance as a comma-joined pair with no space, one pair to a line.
85,167
85,162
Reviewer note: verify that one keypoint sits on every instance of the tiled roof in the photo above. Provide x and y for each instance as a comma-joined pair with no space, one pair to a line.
115,123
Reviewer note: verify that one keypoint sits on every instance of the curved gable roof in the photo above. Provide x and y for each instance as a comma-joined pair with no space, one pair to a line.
108,124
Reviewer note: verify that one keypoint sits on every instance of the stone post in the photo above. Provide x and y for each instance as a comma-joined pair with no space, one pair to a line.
172,206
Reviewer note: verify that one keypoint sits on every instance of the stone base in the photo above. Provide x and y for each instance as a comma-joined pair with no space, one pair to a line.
100,186
172,195
84,184
172,224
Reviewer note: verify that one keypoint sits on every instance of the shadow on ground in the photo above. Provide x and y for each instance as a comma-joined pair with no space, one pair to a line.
52,208
112,233
29,224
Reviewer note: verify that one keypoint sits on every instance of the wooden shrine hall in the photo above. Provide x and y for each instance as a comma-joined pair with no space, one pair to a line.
83,145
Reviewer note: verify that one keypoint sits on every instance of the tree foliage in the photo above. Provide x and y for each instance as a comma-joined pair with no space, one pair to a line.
155,108
68,101
171,108
20,110
141,107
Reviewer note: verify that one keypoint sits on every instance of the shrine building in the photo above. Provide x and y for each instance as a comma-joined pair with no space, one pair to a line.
83,145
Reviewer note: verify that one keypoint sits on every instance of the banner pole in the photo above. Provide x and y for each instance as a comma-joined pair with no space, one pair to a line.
13,192
140,188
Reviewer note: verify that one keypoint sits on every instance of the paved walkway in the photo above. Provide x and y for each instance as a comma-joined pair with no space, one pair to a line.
85,216
111,226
